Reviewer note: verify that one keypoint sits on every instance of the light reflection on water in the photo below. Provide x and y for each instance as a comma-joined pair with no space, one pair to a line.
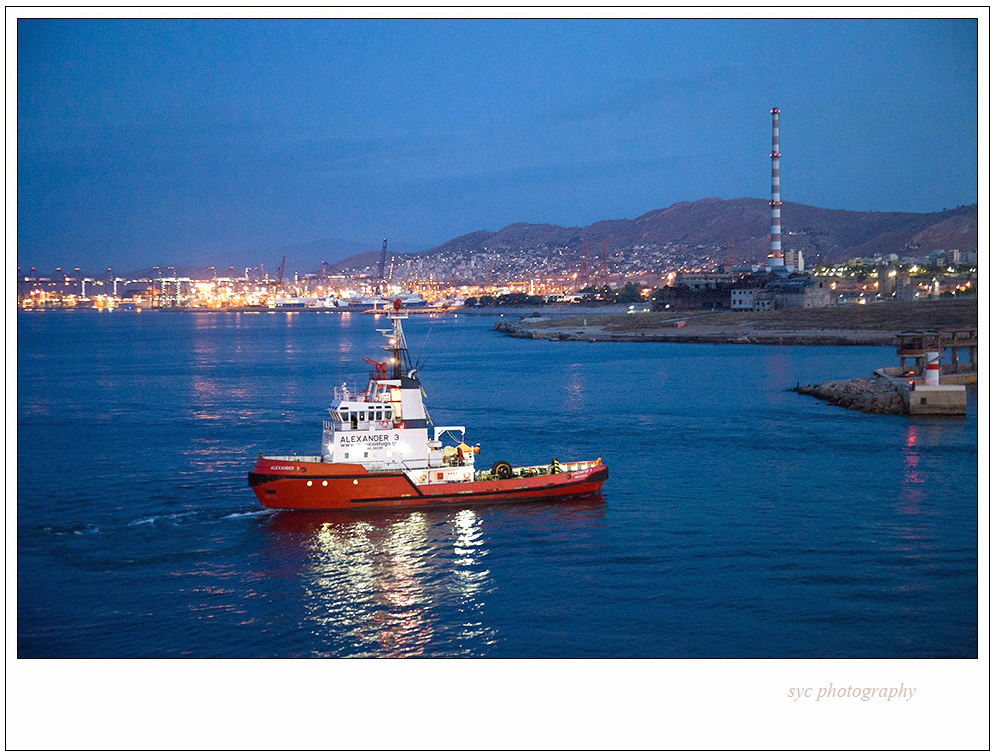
912,482
471,579
574,399
778,367
380,582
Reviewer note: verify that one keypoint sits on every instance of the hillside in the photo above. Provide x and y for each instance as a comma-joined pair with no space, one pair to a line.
832,235
356,262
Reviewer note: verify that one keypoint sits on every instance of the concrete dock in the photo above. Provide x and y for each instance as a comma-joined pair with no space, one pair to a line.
921,399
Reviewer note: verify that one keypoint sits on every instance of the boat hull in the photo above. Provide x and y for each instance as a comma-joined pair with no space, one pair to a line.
283,484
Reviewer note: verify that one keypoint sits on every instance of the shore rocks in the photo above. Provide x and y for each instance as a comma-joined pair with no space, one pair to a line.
874,395
693,333
514,329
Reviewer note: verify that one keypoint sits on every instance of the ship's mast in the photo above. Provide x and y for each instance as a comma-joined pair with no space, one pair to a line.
398,344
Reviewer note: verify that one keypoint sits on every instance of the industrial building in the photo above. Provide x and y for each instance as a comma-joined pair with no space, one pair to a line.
781,287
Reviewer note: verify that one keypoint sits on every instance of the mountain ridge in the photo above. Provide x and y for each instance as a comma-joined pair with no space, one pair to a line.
833,235
688,231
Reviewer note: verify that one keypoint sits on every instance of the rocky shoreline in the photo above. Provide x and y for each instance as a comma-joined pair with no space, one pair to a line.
847,325
694,333
875,394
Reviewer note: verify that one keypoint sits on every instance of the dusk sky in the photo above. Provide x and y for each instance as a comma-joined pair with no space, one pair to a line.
208,142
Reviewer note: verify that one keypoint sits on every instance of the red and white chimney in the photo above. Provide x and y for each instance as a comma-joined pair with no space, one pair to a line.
776,257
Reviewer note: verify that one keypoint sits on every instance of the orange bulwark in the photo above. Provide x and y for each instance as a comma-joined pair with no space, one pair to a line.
308,483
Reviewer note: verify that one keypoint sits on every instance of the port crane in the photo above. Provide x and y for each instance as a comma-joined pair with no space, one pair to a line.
383,261
265,280
381,280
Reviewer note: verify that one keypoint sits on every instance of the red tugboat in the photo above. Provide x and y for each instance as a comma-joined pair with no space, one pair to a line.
376,452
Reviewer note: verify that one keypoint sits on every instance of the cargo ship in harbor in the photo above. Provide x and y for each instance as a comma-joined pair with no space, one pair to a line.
345,304
376,452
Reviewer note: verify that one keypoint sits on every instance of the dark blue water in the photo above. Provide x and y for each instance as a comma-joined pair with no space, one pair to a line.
740,519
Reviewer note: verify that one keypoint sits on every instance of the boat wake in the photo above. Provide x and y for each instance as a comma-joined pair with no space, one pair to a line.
258,514
156,519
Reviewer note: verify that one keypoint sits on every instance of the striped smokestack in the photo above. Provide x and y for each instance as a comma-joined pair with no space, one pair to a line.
777,257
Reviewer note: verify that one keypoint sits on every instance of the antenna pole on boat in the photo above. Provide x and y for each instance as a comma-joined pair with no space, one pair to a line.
398,346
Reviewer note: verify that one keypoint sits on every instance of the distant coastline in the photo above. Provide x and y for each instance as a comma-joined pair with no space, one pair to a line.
850,325
857,325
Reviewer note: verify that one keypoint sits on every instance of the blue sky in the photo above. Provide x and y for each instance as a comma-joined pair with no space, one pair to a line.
147,142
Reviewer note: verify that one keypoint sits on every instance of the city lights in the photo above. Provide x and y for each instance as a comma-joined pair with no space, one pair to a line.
447,279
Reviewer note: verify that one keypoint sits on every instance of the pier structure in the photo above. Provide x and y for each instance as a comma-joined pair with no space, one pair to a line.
935,388
934,398
917,346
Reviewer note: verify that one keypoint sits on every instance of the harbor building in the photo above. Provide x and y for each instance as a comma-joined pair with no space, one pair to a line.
794,260
800,293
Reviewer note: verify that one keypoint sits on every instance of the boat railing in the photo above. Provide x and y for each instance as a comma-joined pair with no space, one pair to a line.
345,394
528,471
575,466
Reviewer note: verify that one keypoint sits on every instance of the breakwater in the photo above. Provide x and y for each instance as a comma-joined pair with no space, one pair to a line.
874,394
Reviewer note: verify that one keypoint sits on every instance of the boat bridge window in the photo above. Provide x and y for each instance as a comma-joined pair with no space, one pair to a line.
362,416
